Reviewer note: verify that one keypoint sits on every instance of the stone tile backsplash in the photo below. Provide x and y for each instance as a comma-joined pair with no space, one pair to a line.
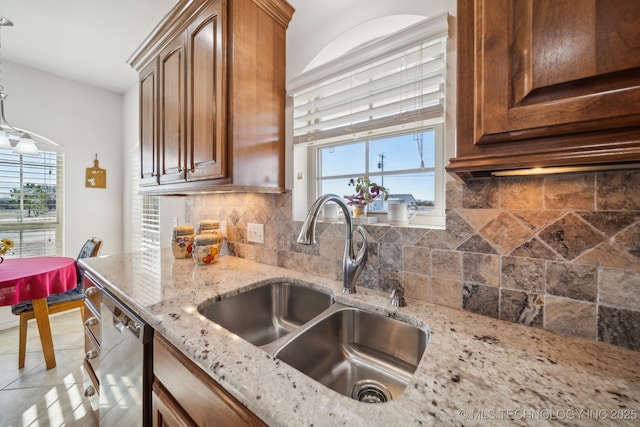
557,252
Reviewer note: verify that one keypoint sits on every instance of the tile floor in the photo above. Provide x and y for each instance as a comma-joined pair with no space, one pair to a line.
37,397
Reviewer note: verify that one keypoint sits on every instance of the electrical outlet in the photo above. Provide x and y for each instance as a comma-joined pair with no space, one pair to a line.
255,233
223,228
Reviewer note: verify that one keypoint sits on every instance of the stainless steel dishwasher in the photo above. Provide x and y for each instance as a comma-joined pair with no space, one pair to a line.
125,368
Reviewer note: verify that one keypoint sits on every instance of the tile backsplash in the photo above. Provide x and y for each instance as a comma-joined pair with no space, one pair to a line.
559,252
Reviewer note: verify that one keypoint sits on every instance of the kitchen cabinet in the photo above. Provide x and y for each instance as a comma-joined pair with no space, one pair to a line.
206,148
183,395
162,118
212,97
148,122
170,110
546,83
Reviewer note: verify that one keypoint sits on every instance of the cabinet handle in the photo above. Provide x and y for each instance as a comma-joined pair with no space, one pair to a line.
91,291
90,391
91,321
91,354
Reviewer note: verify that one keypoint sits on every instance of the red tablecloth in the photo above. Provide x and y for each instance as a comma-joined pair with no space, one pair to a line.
24,279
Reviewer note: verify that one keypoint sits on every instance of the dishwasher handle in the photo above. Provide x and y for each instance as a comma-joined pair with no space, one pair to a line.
125,320
118,324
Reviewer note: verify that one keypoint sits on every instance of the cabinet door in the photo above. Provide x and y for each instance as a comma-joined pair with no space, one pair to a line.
548,83
552,63
196,394
165,411
148,125
171,111
206,144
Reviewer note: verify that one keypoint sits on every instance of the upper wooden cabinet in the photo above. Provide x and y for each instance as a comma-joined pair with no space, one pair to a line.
148,124
212,97
170,110
546,83
206,145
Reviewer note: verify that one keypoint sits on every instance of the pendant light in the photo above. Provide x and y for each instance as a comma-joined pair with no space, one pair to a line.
25,145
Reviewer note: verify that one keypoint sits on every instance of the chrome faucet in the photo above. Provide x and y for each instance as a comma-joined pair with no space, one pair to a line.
397,297
352,265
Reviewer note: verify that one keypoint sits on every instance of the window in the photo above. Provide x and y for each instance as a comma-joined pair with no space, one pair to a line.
379,112
31,195
403,161
145,215
145,242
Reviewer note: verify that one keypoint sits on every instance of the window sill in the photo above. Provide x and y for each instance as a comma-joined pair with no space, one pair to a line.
419,221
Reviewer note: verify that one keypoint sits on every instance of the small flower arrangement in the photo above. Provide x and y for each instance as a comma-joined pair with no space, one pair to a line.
366,192
5,245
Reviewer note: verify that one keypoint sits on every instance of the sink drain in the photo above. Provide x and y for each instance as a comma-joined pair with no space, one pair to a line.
370,391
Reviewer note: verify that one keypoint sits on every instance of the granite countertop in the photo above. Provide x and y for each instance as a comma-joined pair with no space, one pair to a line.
475,369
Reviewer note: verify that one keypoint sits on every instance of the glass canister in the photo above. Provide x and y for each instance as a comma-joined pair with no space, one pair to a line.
208,226
182,241
206,247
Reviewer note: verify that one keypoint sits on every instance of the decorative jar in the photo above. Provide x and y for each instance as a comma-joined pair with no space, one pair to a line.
208,226
206,247
182,241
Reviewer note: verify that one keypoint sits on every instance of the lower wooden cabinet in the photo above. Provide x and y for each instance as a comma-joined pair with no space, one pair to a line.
166,412
183,395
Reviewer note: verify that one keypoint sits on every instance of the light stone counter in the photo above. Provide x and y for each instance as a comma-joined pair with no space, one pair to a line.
475,369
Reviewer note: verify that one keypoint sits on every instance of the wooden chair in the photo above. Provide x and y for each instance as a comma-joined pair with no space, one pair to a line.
56,302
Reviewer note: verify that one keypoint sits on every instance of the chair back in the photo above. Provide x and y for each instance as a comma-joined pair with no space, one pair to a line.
90,249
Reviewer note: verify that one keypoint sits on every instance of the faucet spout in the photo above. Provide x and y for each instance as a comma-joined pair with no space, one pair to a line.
352,264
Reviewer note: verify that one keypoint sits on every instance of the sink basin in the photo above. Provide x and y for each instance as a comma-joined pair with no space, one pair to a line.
362,355
266,313
366,356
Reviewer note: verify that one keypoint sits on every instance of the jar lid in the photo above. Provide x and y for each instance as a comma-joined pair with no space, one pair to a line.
206,239
182,230
209,224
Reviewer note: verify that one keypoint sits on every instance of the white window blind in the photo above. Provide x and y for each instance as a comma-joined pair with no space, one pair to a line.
31,202
383,84
145,212
145,242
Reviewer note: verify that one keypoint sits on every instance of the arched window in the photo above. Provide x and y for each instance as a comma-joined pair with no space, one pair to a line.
378,110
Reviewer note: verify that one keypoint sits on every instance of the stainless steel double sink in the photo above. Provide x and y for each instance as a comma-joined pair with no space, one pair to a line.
359,354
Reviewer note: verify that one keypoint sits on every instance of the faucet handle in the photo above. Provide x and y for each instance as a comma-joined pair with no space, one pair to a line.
397,297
